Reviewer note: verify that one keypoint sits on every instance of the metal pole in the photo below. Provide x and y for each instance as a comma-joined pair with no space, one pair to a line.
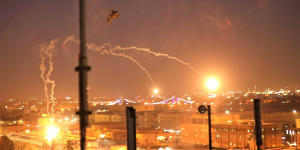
296,138
131,128
276,136
228,138
82,69
257,116
244,145
236,134
209,127
221,141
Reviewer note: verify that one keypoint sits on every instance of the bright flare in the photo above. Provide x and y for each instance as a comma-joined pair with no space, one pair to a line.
155,91
51,133
212,84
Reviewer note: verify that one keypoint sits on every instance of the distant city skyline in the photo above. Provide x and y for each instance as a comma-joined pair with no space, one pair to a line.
243,44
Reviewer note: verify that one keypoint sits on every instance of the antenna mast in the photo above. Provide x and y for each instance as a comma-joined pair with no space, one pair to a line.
82,69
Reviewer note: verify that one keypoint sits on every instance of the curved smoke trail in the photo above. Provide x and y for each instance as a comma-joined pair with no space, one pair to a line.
149,51
106,50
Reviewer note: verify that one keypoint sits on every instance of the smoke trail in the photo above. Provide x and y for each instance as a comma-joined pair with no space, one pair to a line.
133,60
105,49
47,53
147,50
46,68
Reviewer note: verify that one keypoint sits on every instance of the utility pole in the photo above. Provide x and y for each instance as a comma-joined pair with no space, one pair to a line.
131,128
296,130
202,109
82,69
209,127
257,116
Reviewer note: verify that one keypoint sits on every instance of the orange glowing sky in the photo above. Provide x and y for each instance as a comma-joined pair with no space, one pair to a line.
243,43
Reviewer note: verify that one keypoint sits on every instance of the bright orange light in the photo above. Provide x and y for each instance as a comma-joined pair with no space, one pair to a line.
51,133
155,91
102,136
161,138
212,84
227,112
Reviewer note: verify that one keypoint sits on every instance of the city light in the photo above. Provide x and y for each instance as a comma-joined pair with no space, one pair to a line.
51,133
191,75
227,112
161,138
167,148
66,118
212,84
102,136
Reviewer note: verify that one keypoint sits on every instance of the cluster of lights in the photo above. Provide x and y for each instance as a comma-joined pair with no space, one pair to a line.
291,132
167,148
211,84
171,98
68,119
172,131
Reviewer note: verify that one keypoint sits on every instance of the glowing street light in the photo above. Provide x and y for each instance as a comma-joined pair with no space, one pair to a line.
102,136
227,112
168,148
212,84
294,111
51,133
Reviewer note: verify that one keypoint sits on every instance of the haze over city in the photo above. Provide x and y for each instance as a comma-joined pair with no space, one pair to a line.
244,44
165,75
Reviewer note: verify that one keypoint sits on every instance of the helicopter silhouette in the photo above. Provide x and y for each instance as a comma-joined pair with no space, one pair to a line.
113,15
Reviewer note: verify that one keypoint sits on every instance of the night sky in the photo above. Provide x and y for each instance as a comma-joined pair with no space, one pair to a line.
243,43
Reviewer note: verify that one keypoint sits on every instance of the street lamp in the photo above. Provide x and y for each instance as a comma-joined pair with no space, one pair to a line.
102,136
212,84
202,109
227,112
